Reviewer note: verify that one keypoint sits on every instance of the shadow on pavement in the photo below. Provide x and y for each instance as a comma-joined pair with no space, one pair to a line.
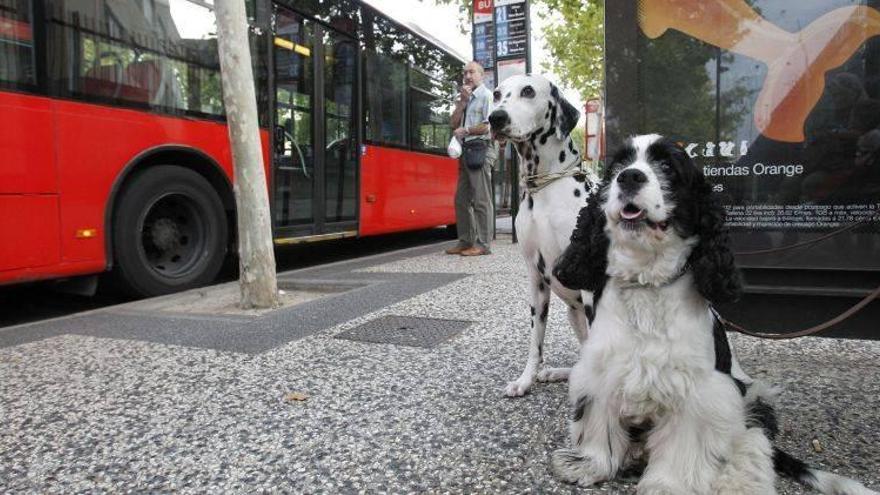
38,301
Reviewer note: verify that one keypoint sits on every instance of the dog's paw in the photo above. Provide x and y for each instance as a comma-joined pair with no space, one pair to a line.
517,388
571,466
553,374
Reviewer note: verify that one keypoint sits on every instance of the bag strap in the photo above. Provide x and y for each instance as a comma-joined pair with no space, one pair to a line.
466,108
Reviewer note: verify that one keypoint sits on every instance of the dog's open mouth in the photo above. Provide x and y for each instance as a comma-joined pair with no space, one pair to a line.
633,217
632,213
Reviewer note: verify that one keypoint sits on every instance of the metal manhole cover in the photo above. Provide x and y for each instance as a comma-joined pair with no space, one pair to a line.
406,330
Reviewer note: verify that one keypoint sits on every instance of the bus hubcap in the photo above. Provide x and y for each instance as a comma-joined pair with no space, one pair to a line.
173,235
166,236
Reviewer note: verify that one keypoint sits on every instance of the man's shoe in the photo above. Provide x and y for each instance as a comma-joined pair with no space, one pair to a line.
475,251
457,250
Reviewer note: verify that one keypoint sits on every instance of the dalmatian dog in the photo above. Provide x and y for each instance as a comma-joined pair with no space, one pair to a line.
530,112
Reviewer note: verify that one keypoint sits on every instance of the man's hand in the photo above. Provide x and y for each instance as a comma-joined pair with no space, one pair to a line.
465,94
460,133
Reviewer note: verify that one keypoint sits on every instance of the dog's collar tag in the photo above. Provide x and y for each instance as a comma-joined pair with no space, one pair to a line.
626,283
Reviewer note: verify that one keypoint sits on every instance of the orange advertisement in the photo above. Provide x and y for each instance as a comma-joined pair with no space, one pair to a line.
796,61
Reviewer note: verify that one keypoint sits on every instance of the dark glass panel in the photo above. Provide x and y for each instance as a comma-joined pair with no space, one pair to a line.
17,65
385,102
340,162
157,54
431,111
294,108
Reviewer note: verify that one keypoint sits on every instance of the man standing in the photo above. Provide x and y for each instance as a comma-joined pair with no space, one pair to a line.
473,197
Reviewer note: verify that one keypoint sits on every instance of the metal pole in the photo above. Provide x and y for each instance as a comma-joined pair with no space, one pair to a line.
514,191
515,162
494,204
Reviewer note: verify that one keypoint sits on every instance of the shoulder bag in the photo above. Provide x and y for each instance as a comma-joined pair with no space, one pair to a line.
475,150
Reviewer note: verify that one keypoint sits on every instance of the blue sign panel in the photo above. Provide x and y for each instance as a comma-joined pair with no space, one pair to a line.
511,35
484,44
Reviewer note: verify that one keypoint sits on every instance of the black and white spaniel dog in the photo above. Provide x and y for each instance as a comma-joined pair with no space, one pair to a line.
531,113
653,385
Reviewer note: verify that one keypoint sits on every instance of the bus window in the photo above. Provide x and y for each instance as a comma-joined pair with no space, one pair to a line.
431,111
340,162
159,54
385,100
16,43
294,108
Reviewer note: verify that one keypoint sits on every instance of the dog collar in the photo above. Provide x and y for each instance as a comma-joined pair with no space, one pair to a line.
626,283
536,182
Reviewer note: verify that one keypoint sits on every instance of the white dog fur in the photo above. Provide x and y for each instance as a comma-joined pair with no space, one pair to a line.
651,360
531,112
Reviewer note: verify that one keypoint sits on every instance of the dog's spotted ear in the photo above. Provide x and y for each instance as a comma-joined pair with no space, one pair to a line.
566,114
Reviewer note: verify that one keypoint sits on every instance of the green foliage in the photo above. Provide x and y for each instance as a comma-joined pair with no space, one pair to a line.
576,44
578,135
678,72
575,36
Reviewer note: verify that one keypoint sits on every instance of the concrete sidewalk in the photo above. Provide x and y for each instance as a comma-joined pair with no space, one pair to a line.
403,363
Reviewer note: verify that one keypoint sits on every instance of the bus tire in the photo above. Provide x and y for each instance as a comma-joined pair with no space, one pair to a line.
170,232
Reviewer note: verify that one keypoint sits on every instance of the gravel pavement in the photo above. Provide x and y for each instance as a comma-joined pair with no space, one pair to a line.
88,412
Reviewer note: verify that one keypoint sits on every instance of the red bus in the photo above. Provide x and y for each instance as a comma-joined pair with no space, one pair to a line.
115,154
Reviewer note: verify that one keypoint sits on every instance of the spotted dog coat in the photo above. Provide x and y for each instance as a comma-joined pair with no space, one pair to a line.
532,114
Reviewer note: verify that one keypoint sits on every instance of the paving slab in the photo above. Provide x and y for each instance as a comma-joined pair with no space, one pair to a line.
134,398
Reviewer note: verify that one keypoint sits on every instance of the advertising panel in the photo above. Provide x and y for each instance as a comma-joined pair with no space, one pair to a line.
508,68
593,146
777,101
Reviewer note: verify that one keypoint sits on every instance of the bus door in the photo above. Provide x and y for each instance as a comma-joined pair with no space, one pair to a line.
29,224
314,140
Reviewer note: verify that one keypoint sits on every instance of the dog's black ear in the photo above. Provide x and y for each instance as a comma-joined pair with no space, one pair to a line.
583,263
566,114
712,261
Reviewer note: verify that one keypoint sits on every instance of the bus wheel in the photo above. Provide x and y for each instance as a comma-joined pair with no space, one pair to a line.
169,232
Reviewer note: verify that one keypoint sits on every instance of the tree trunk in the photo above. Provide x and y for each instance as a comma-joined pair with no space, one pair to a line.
257,281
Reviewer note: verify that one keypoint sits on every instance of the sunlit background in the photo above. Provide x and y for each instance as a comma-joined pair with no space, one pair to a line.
442,22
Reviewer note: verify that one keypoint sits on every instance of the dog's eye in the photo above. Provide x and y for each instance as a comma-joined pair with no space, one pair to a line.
496,96
527,92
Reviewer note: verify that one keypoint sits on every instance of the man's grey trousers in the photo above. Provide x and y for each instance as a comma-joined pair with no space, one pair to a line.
473,202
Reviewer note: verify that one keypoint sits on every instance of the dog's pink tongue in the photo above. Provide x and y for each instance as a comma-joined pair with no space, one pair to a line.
630,213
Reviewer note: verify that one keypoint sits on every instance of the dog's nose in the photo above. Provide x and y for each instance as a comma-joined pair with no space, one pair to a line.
631,179
498,119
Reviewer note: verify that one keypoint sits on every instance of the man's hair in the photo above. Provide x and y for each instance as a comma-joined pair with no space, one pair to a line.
477,65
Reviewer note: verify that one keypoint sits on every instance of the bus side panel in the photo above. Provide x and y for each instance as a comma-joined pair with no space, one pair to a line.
79,160
95,143
28,184
26,145
405,190
28,231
